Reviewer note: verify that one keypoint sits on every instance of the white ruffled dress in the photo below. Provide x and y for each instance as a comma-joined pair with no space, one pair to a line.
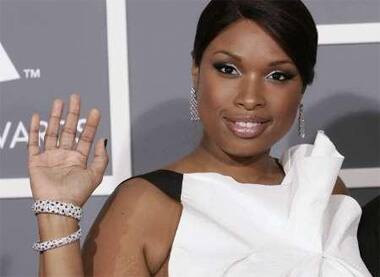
293,229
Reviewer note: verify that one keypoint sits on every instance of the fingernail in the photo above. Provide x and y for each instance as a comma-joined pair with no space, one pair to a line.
105,142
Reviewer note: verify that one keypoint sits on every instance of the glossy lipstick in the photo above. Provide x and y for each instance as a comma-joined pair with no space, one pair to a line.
247,128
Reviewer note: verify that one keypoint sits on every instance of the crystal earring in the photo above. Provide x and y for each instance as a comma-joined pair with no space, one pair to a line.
194,116
301,122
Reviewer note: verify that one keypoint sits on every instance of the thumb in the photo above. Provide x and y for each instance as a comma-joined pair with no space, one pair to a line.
100,161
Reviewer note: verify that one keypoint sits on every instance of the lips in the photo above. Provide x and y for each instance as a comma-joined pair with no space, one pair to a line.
247,127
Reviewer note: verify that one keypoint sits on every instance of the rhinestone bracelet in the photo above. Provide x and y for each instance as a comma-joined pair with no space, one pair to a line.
54,243
57,207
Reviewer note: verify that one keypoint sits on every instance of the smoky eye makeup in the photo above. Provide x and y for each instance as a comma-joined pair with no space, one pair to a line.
227,68
280,75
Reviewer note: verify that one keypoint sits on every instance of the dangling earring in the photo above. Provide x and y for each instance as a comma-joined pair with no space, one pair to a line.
194,116
301,122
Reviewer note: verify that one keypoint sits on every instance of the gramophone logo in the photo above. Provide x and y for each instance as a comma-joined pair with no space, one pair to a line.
8,71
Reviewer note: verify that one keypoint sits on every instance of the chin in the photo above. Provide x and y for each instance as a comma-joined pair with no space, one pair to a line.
245,150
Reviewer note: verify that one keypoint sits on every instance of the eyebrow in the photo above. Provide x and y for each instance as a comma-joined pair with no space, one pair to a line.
237,57
275,63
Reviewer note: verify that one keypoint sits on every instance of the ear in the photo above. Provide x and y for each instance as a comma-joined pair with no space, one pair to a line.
195,75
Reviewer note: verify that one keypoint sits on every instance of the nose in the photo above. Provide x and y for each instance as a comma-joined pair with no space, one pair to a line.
251,93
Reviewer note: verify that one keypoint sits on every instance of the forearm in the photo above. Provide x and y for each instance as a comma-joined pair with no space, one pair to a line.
61,261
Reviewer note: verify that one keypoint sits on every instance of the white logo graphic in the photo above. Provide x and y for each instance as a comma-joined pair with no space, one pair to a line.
8,71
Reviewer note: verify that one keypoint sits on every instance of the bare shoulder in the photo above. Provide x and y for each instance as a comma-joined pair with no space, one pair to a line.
131,234
340,187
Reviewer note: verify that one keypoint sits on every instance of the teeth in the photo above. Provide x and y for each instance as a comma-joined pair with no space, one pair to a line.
241,124
246,124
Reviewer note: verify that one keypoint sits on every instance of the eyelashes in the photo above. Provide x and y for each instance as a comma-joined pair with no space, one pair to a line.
232,71
279,76
227,68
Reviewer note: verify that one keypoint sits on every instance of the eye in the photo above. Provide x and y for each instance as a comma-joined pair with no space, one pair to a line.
279,76
226,68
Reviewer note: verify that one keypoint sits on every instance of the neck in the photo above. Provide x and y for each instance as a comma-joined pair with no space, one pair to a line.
260,168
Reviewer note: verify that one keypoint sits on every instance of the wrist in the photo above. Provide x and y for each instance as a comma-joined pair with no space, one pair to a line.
53,226
57,207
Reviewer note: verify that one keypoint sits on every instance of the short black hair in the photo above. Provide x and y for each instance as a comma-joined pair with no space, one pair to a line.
287,21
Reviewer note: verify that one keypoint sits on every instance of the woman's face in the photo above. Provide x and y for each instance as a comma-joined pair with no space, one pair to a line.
249,91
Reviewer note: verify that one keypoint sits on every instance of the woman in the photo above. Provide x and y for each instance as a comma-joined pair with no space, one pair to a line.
227,208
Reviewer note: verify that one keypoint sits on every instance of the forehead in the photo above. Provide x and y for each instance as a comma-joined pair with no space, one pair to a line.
247,39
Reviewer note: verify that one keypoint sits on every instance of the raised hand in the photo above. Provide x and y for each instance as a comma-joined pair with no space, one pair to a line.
60,171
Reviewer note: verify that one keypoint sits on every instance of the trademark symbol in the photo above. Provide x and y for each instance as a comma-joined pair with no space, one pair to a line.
31,73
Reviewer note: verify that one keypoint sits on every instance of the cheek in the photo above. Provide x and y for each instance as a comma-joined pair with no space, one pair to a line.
284,108
214,95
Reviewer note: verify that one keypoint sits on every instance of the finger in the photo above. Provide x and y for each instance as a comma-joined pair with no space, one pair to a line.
33,148
51,134
100,161
69,129
89,131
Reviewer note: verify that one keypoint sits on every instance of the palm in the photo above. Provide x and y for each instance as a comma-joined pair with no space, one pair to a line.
61,173
65,169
